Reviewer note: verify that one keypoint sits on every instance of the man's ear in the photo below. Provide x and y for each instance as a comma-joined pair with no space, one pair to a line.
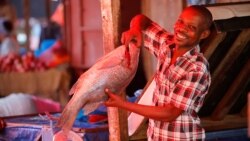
205,34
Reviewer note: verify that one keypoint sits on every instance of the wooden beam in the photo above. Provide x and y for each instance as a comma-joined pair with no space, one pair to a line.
232,94
110,10
210,44
26,13
235,23
229,122
243,111
227,62
141,134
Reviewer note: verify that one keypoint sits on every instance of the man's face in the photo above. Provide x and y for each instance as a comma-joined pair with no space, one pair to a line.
188,28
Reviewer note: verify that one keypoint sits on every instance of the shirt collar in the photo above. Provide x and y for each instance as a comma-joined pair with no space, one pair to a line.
189,53
193,51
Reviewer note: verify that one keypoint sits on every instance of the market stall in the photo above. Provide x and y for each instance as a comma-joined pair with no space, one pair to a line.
52,84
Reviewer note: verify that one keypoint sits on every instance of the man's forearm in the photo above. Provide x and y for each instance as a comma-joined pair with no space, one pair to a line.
167,113
140,22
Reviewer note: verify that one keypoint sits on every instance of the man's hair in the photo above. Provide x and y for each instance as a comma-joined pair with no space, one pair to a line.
205,13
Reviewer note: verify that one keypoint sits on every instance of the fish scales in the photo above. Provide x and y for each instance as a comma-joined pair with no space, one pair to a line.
111,71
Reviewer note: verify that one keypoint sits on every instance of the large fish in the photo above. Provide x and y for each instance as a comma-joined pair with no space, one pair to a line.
115,71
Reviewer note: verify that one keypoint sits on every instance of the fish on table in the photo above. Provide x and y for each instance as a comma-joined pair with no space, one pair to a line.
114,70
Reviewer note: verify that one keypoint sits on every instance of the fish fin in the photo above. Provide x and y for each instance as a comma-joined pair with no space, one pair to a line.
72,90
91,107
107,64
76,86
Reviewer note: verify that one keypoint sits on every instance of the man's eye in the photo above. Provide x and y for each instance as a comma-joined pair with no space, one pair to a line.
190,27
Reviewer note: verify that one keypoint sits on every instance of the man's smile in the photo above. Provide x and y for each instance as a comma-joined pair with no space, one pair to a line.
180,36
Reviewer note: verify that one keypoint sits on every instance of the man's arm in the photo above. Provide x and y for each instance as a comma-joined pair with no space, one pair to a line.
167,113
137,25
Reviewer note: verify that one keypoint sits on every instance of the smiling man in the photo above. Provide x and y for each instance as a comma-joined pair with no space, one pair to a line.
182,77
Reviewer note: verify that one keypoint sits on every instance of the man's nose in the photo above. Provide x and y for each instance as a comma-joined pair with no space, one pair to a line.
182,27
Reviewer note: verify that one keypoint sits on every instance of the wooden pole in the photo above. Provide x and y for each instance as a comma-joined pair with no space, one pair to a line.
26,13
47,9
117,119
110,11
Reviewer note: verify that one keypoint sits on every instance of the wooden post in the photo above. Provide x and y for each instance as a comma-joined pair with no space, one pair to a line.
110,11
26,13
47,9
117,119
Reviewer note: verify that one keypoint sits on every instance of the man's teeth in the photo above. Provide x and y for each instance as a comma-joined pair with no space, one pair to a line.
181,36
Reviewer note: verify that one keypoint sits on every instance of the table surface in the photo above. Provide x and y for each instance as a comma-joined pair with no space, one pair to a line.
29,128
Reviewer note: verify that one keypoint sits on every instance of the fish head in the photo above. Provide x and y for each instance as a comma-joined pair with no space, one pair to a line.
131,53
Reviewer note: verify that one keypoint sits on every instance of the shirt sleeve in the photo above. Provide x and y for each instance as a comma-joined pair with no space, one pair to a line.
189,92
154,37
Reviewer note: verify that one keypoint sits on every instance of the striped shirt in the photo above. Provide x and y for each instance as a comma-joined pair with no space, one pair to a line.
183,84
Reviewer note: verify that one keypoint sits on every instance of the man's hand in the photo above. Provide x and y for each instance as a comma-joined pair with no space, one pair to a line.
132,35
114,100
137,25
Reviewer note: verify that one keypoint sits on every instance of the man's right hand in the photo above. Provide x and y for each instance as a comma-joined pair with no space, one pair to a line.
137,25
132,35
114,100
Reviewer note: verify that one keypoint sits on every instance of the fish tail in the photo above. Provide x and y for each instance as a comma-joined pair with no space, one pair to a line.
67,119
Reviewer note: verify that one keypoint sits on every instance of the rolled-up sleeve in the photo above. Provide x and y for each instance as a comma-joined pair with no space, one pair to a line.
154,36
